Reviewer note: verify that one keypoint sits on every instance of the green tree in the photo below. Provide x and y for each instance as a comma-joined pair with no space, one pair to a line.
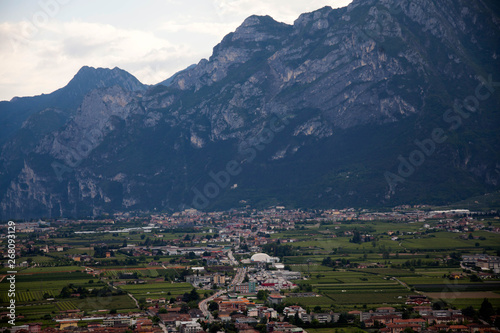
356,238
262,295
213,306
215,327
193,295
184,308
486,310
469,311
327,262
65,292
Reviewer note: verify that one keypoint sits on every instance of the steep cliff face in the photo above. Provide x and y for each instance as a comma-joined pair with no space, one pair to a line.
368,63
14,113
86,130
379,103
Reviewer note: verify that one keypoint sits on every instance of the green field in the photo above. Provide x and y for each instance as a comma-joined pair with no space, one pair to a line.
347,288
32,287
461,303
90,304
320,240
66,305
381,272
52,269
376,286
33,290
323,301
151,273
368,298
157,289
36,311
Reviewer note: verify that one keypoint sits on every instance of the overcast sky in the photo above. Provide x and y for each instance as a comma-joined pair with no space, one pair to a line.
43,43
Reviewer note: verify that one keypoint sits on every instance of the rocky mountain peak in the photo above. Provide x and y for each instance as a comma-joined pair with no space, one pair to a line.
259,28
14,113
313,114
103,77
318,15
256,34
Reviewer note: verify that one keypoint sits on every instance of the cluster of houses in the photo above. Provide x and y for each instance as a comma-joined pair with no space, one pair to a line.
207,280
399,214
274,280
483,262
245,314
232,226
389,317
116,324
388,320
464,224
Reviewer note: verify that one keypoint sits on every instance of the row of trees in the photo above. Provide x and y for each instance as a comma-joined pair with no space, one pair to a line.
279,250
83,292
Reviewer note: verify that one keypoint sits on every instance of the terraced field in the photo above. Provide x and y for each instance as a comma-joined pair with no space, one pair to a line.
349,288
66,305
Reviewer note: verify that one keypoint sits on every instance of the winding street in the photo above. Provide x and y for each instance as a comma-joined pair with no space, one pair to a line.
203,305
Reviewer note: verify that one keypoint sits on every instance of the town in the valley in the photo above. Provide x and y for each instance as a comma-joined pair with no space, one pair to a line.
409,269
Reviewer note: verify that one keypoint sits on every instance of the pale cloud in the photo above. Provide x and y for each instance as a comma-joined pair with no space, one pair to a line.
280,10
63,47
185,24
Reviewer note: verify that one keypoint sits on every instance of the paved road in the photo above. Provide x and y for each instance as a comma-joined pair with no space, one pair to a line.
234,262
163,327
203,305
135,300
240,276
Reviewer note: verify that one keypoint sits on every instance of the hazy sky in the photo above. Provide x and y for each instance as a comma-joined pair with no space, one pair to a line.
44,43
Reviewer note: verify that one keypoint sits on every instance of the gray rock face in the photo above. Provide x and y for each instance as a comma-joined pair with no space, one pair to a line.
288,96
86,130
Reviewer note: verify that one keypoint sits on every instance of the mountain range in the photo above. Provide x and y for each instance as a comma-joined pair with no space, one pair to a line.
376,104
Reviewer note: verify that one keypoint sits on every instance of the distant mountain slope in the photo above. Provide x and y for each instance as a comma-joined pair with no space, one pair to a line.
169,81
376,104
13,113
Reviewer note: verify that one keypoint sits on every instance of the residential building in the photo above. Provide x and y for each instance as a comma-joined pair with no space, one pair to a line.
118,320
290,311
190,327
275,298
239,304
285,327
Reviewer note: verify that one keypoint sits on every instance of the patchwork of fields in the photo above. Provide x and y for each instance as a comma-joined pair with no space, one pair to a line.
381,272
346,289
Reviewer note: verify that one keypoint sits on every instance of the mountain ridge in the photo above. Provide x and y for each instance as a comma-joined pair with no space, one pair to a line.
14,112
313,114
